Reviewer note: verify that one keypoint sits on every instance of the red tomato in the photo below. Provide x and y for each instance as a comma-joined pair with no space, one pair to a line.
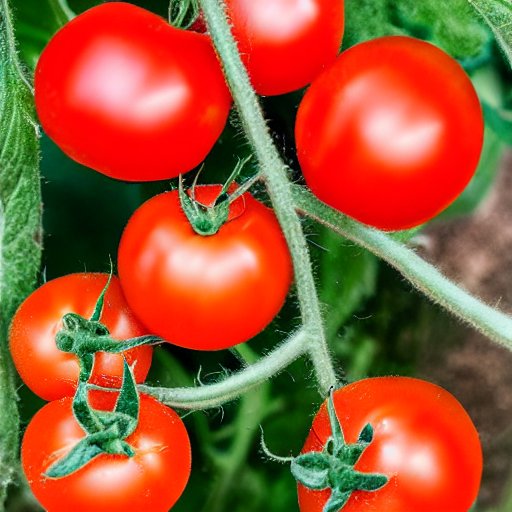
151,481
53,374
424,441
391,133
204,292
285,44
123,92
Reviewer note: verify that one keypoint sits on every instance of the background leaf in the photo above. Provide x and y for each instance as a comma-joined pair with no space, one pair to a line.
497,14
20,224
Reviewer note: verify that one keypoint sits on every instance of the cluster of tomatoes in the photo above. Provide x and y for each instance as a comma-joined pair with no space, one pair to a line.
390,132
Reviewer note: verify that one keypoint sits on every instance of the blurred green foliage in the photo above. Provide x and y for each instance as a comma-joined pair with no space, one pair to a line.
375,325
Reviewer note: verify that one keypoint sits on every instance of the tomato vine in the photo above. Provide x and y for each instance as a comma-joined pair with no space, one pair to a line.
20,247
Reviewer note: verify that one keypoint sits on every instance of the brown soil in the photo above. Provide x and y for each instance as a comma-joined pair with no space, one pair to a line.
477,252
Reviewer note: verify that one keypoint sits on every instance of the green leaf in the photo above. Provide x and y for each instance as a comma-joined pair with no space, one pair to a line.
312,470
20,224
451,25
498,15
80,455
500,120
368,19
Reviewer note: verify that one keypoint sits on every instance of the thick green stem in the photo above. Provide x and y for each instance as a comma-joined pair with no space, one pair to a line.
213,395
274,172
424,276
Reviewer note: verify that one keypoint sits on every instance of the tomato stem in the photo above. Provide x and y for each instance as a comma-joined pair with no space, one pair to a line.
425,277
274,172
230,388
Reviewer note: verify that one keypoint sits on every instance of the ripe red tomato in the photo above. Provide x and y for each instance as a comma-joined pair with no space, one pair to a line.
285,44
424,442
204,292
53,374
123,92
391,133
152,480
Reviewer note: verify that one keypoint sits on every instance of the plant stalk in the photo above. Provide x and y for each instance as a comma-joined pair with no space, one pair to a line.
274,172
425,277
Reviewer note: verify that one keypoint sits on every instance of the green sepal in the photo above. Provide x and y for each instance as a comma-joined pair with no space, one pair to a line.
86,417
366,435
369,481
312,470
98,308
106,431
336,501
224,196
205,220
81,454
183,13
128,402
116,347
333,468
337,432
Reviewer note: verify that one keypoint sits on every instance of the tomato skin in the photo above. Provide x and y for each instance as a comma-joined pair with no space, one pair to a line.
151,481
51,373
121,91
204,292
391,133
424,441
286,44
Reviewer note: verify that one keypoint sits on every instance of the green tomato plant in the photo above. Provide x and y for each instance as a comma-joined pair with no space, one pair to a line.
21,217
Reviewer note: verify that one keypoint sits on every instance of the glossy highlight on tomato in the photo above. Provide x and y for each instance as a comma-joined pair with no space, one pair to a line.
204,292
151,481
286,44
424,442
123,92
53,374
390,134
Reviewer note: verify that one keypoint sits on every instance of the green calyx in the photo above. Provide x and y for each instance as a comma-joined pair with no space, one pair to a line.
207,220
106,431
333,468
84,337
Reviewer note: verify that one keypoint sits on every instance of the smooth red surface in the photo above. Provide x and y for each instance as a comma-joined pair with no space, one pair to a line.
285,44
123,92
204,292
151,481
390,134
51,373
424,441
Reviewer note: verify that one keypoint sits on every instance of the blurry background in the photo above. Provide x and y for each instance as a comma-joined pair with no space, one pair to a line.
376,323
